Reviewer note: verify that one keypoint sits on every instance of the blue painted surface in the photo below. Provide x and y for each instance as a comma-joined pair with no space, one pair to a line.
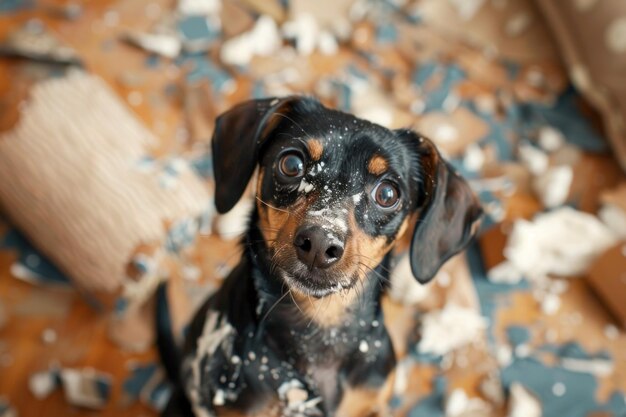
567,117
452,76
517,335
103,388
432,405
386,33
574,350
153,61
578,400
12,6
121,305
490,295
198,28
139,377
203,165
202,68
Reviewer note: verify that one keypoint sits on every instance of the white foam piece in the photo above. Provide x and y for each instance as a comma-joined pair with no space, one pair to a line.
467,9
165,45
550,304
615,219
263,40
562,242
199,7
80,387
504,273
458,404
41,384
533,158
553,186
450,328
550,139
522,403
474,158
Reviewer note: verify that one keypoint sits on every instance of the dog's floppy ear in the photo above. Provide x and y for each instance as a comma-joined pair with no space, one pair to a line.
448,214
237,139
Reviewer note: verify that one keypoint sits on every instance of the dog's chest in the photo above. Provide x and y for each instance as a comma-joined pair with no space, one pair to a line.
326,377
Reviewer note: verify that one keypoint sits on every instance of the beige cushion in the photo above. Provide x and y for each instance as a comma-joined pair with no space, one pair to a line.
78,181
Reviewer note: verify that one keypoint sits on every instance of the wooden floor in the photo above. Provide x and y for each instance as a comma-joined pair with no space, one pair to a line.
82,332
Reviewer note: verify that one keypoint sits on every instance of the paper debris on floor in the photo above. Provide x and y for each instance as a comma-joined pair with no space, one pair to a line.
86,387
450,328
34,41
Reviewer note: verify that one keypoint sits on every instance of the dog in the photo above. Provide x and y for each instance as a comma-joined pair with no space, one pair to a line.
297,328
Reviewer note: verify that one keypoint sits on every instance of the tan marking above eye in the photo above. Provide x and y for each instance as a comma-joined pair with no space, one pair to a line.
377,165
315,149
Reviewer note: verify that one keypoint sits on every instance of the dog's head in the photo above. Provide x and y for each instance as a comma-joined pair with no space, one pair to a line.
334,192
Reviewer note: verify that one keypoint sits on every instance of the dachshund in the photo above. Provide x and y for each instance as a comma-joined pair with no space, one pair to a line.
297,327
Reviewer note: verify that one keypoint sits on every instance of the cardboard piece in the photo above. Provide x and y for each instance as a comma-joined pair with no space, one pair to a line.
607,277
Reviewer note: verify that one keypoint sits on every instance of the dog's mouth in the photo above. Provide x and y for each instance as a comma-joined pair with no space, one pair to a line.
317,283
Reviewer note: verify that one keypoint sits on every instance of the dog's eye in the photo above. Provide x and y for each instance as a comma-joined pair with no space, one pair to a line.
291,165
386,195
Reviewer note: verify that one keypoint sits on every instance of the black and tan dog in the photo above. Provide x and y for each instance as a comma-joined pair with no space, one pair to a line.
297,328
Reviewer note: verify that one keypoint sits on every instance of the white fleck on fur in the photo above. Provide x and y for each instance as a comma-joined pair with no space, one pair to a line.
215,330
295,398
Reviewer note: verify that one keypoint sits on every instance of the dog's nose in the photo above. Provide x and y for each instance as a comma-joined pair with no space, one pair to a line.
317,247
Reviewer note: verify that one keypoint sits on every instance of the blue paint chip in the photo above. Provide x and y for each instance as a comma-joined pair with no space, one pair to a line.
197,28
203,165
451,76
343,96
395,402
31,259
424,72
204,68
121,305
501,130
386,33
153,61
160,395
512,69
517,335
181,235
354,71
103,387
425,357
140,375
